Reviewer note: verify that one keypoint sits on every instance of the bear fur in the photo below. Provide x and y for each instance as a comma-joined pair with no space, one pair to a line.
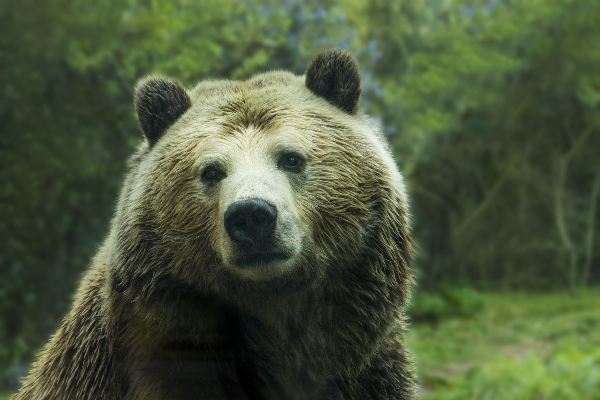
260,250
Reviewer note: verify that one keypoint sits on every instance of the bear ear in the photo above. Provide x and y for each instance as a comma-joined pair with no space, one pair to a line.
159,102
335,76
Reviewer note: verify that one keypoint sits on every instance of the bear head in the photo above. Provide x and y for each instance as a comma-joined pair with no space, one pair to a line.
260,189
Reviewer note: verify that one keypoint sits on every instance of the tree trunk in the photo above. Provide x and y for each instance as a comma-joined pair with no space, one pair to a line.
561,224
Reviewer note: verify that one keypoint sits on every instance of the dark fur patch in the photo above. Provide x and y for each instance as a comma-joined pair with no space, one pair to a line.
159,102
335,76
242,115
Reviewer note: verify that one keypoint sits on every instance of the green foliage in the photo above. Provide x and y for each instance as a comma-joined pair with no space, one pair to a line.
518,346
447,302
569,374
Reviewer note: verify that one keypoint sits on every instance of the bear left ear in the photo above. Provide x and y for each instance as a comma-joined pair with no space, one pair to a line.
335,76
159,102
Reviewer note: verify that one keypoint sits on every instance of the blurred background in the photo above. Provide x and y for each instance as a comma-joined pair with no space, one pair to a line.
492,110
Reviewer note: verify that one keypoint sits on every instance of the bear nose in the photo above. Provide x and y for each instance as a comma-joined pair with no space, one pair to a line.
250,221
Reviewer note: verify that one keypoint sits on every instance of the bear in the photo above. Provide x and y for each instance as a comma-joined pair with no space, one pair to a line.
260,249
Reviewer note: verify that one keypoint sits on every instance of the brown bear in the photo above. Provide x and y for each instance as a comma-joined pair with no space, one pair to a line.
260,250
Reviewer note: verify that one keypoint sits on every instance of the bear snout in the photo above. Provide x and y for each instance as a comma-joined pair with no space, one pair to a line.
250,223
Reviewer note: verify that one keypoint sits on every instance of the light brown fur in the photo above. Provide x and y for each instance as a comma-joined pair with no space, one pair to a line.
164,312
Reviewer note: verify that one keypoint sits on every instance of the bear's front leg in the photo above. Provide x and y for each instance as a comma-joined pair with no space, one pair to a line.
387,377
78,361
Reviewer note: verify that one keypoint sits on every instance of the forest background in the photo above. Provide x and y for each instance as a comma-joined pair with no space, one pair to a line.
491,107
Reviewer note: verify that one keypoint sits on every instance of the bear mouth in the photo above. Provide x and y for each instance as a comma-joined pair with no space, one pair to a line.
261,259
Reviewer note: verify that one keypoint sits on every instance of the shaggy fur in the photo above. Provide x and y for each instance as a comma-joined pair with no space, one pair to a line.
165,310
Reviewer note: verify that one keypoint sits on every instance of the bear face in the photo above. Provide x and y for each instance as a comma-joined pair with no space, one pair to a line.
266,183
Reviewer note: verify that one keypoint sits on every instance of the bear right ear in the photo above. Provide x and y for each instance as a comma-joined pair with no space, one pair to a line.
159,102
334,75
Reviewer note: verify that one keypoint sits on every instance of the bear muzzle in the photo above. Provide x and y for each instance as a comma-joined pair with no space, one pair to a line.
250,225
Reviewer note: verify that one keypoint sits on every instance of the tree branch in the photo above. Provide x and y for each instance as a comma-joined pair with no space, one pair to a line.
489,197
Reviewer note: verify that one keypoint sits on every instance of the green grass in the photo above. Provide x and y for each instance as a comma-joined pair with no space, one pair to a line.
517,346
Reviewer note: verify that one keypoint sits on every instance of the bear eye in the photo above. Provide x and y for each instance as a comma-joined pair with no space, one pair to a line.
291,162
212,175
